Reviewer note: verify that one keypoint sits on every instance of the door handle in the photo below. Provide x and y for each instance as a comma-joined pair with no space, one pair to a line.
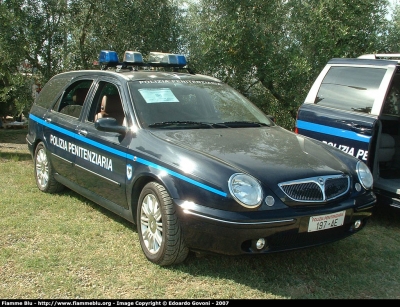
362,129
48,120
82,132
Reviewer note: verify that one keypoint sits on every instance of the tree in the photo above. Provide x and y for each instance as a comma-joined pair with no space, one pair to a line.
52,36
143,26
394,31
31,42
271,51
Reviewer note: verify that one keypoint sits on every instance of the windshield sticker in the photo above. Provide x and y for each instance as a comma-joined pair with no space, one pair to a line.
158,95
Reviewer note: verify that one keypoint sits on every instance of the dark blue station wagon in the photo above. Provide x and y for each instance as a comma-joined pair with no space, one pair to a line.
194,164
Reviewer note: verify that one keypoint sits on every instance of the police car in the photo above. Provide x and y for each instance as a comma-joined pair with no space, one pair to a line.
190,161
354,105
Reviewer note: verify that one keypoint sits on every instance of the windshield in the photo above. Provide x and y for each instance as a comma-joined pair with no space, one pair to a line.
183,104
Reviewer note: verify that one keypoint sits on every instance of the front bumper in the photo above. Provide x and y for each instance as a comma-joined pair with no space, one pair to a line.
236,233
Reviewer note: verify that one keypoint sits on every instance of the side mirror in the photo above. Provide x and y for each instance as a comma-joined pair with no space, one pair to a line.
109,124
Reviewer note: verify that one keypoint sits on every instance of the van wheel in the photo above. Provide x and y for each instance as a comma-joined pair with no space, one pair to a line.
44,173
158,227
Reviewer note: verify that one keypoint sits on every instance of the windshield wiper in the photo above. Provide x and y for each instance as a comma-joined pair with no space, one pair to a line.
186,124
193,124
237,124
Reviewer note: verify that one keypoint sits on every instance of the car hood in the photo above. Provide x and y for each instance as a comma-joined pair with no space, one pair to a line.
271,154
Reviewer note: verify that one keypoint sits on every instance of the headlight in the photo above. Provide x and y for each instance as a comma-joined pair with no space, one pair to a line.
246,190
364,175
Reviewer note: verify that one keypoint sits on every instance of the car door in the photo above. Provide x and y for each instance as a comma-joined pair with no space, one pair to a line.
343,106
101,156
61,124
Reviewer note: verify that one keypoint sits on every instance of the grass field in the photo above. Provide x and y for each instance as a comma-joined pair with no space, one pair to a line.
64,246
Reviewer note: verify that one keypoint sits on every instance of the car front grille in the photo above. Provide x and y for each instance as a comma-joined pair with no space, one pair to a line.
316,189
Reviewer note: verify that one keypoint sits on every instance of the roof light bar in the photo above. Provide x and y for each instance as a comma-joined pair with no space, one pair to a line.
109,58
374,56
167,59
133,57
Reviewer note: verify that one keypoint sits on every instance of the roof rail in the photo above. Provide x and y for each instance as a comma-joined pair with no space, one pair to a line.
386,56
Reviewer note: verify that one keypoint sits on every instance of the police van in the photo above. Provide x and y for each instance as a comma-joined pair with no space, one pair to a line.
192,162
354,105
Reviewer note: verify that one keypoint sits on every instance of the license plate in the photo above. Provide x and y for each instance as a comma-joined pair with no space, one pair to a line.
327,221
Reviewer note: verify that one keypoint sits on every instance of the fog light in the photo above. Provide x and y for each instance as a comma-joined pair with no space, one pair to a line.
260,243
357,224
270,200
358,187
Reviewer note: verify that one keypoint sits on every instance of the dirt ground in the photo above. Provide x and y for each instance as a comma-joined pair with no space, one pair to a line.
13,140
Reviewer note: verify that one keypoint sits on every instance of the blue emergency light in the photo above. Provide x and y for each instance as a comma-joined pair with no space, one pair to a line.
133,57
167,59
109,58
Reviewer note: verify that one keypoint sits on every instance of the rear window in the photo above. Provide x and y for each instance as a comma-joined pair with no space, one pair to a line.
51,91
350,88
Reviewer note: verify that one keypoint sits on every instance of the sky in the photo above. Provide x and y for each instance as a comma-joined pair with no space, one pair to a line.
392,5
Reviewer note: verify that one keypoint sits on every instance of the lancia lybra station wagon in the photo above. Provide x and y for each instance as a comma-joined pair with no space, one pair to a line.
191,162
354,105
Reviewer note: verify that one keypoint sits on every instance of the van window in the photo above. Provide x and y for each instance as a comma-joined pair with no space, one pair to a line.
350,88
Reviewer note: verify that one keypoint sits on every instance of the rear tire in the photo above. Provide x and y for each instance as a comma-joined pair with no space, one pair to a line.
158,227
44,173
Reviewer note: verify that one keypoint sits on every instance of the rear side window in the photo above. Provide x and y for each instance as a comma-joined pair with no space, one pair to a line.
350,88
50,92
74,96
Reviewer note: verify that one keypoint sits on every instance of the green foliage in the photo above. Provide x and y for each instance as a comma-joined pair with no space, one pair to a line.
120,25
271,51
15,89
16,64
46,37
394,32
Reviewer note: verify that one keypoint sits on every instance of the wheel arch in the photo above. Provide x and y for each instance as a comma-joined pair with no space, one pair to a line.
137,187
49,184
35,144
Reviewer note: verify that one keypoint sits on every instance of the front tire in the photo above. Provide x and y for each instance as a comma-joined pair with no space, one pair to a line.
158,227
44,173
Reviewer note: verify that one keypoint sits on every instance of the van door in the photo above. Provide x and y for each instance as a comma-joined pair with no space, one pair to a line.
350,133
343,106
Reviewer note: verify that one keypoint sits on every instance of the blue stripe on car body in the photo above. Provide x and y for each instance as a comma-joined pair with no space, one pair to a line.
333,131
125,155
